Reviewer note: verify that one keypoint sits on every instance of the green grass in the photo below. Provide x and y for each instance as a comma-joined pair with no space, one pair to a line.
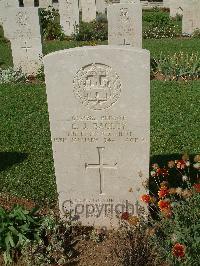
171,46
52,46
26,165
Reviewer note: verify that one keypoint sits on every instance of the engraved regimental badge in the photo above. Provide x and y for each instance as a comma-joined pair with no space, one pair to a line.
97,86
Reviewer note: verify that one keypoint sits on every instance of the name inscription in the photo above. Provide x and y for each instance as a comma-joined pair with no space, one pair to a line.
90,129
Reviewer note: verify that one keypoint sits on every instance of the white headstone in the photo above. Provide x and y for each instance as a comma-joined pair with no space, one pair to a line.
88,10
101,6
191,17
176,7
23,31
4,4
45,3
129,1
99,108
69,15
166,3
125,24
28,3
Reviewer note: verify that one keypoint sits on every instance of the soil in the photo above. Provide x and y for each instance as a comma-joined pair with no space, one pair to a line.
111,249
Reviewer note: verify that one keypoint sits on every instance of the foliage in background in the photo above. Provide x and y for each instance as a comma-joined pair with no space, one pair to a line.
180,66
51,28
10,75
159,26
92,31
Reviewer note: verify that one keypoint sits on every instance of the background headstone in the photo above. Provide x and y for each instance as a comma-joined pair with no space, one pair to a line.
125,24
176,7
45,3
99,108
23,31
4,4
191,16
69,15
88,10
100,6
28,3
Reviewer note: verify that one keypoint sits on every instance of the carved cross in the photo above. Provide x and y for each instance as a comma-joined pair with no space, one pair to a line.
100,166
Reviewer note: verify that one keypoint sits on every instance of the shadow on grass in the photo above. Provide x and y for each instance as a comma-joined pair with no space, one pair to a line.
7,159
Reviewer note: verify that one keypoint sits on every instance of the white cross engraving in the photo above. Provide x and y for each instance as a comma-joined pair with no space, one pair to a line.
101,166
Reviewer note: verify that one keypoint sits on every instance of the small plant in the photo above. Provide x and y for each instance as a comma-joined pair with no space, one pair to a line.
11,75
177,208
180,66
51,29
196,34
92,31
18,227
160,26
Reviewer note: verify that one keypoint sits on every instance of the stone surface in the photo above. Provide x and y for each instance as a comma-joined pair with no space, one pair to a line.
125,24
88,10
45,3
191,17
129,1
166,3
23,31
176,7
69,15
101,6
99,108
28,3
4,4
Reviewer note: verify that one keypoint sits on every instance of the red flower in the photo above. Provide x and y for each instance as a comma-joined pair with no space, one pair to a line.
178,250
163,192
146,198
181,164
164,204
197,188
161,171
125,216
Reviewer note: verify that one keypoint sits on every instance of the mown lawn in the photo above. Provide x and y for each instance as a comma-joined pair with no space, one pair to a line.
26,166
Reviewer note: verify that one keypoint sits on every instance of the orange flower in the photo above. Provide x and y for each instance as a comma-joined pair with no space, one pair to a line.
197,188
167,212
164,204
163,192
178,250
146,198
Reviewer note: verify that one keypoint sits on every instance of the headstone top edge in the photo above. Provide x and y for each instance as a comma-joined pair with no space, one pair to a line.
98,47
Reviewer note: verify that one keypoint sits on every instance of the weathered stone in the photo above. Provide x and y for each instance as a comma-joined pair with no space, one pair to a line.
125,24
45,3
23,31
28,3
4,4
191,16
176,7
99,108
88,10
101,6
69,15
